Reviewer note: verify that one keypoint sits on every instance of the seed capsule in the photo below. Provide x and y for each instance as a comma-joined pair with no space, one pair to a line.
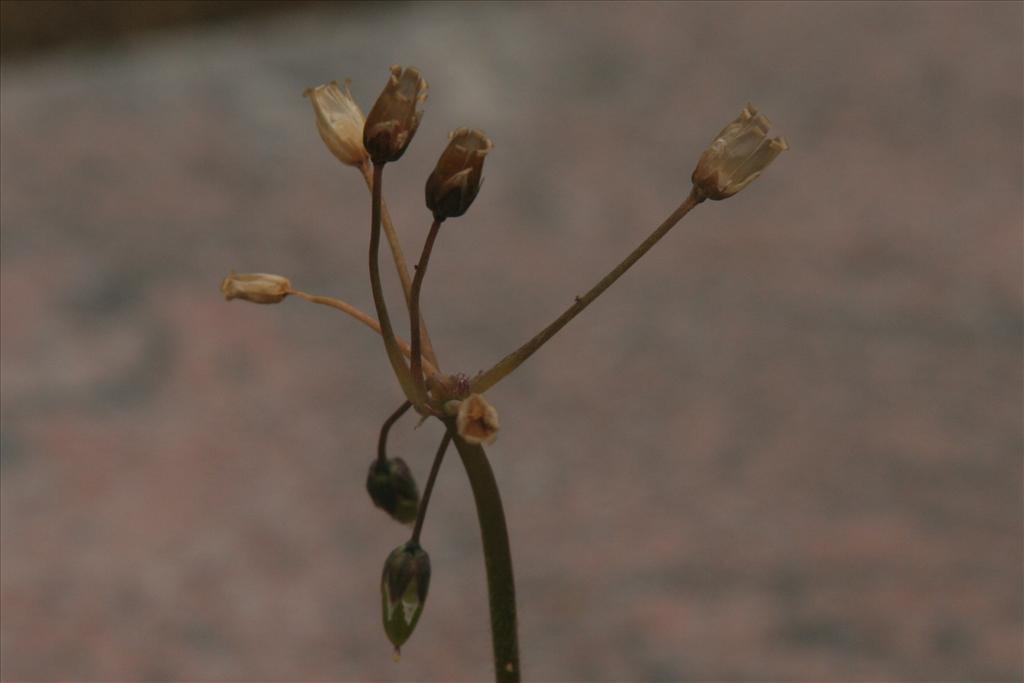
456,179
395,116
737,155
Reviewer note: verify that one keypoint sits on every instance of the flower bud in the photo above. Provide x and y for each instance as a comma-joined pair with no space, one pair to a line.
259,288
403,589
394,118
477,420
340,122
392,488
737,155
453,185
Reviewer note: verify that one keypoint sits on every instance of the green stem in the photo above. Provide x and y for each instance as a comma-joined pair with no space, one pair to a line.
434,469
387,332
497,557
414,308
513,360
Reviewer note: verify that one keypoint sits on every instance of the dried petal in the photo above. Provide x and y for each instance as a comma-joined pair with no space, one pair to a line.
339,121
477,420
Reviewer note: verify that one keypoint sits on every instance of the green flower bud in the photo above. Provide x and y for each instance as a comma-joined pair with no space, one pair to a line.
403,590
393,489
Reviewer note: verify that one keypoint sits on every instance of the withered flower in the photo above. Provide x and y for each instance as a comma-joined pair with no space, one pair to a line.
737,155
339,121
456,179
477,420
395,116
259,288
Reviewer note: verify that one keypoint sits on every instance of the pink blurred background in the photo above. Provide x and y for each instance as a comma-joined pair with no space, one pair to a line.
786,446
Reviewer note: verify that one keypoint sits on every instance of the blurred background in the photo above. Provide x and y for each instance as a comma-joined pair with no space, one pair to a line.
786,446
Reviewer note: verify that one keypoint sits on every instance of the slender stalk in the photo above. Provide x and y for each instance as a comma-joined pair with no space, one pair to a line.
394,353
414,306
434,469
382,442
513,360
400,265
367,320
497,557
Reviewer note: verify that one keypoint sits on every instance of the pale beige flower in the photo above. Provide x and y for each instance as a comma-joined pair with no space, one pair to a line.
259,288
395,115
456,179
737,155
339,121
477,420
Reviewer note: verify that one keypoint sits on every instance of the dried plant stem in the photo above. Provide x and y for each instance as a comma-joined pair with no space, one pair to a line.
512,361
386,331
367,320
414,306
400,264
382,442
501,588
434,469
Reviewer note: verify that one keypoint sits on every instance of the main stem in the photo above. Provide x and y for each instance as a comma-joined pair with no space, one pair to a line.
387,332
414,307
518,357
501,588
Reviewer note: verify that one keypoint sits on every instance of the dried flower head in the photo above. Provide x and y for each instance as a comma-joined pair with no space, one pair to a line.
456,179
259,288
340,122
477,420
395,116
737,155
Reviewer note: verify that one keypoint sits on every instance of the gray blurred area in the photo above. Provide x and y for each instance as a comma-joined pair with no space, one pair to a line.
787,446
